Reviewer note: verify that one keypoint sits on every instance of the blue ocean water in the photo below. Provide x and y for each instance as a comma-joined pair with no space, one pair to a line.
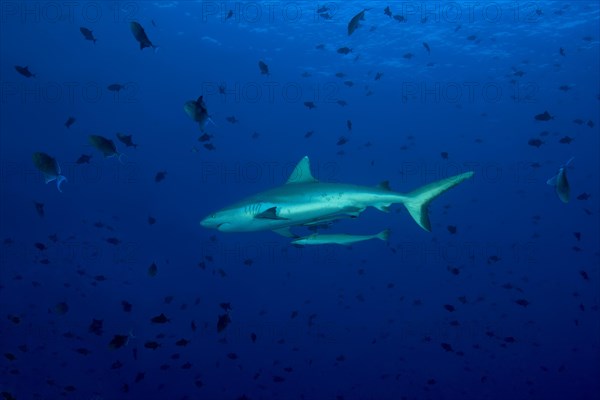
111,289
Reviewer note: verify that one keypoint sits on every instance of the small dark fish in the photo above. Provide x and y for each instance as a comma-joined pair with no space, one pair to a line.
209,146
160,176
342,103
310,105
40,246
229,15
152,269
342,141
584,196
140,35
182,342
561,183
349,125
452,229
160,319
140,376
113,240
115,87
127,140
535,142
222,322
408,56
400,18
264,68
127,307
577,235
253,337
566,140
522,302
118,341
24,71
255,135
349,83
427,47
205,137
308,134
105,146
584,275
152,345
344,50
545,116
70,121
151,220
564,88
83,159
378,76
39,208
322,9
561,51
225,306
340,75
83,351
232,119
493,259
355,21
196,110
444,155
61,308
232,356
472,37
590,123
49,167
320,46
87,34
96,327
447,347
449,307
278,379
387,11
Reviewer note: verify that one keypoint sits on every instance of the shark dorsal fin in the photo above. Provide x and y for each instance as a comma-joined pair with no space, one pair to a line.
301,174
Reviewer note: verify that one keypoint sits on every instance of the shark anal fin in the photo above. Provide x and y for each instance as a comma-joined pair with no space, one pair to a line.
286,232
270,213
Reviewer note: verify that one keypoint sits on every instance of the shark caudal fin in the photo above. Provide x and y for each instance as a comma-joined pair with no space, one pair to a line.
418,200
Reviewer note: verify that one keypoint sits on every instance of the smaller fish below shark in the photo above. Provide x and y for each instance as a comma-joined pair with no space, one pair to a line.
197,111
140,35
49,167
561,183
339,238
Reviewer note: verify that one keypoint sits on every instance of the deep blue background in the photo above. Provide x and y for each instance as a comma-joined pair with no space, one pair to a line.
379,306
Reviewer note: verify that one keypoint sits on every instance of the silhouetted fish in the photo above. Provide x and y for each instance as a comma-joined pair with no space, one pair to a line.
264,68
140,35
70,121
355,21
545,116
87,34
24,71
49,167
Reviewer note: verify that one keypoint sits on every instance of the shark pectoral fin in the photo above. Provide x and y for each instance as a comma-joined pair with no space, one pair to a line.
270,213
552,181
286,232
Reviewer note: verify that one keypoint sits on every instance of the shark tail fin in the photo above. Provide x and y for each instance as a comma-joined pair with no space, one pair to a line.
418,200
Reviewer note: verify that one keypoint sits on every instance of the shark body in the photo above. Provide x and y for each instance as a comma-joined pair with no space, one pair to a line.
304,201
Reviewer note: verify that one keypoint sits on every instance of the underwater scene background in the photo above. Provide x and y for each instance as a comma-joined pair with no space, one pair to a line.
111,289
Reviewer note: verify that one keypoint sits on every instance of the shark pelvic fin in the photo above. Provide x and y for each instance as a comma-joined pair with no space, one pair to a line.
301,173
